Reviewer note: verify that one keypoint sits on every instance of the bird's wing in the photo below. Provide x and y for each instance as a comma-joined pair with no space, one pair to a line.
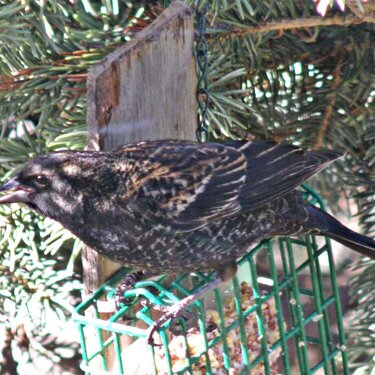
185,184
188,185
274,169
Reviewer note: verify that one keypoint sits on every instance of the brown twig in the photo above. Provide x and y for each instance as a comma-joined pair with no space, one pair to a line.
330,106
299,23
8,363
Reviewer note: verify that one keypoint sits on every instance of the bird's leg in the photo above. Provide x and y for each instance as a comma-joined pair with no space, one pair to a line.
126,284
174,326
175,311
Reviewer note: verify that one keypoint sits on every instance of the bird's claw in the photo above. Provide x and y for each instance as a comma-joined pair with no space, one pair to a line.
127,284
174,312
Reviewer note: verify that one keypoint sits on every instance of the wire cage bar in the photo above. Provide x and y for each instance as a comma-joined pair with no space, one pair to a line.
280,314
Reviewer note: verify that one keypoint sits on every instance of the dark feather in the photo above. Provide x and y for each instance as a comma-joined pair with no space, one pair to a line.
327,225
213,181
275,169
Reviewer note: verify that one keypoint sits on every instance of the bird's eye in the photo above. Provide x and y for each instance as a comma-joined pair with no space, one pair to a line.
42,180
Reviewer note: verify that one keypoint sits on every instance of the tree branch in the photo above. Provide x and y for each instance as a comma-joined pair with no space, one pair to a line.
287,24
330,106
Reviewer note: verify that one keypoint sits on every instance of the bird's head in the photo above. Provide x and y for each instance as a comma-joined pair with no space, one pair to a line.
51,184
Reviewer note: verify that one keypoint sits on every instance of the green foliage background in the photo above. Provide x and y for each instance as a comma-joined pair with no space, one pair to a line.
276,70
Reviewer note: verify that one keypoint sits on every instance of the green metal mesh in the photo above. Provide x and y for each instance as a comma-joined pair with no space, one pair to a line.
304,333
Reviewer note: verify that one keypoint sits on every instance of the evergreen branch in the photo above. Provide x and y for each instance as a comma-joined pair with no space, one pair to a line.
330,107
299,23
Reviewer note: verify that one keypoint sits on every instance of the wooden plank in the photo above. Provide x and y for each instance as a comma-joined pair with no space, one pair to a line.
144,90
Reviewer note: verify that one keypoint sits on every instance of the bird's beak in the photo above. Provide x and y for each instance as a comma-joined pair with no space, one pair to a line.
16,193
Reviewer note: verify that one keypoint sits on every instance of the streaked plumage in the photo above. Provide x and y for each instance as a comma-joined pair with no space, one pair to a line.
178,206
164,205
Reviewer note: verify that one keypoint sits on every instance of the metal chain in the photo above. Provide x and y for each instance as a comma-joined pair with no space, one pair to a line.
201,49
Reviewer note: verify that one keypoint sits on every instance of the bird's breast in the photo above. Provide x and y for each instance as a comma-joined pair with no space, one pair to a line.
133,241
160,248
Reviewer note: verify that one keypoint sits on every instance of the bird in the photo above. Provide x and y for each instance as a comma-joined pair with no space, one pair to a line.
172,206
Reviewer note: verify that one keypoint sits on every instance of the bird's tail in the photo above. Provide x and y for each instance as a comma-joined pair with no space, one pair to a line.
328,226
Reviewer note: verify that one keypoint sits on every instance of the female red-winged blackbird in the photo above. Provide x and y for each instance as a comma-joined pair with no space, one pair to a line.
178,206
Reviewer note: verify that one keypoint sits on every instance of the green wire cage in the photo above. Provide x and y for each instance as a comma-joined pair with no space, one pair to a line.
280,314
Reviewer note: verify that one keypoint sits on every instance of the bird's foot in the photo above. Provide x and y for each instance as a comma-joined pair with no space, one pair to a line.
126,284
174,312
